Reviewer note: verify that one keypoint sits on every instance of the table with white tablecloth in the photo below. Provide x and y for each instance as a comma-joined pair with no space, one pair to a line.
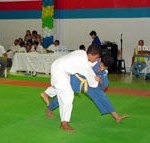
34,62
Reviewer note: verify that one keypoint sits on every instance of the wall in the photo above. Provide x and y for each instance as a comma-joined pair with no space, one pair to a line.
17,16
109,19
13,29
76,31
75,20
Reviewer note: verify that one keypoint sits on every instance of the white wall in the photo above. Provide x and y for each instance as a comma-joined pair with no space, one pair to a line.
12,29
73,32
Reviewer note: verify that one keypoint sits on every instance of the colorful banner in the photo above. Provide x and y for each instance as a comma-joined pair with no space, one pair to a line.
47,22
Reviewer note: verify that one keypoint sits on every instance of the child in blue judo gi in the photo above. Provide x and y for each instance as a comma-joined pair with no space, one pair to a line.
97,94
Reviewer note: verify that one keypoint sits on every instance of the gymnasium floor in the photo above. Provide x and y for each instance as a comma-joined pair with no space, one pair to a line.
23,119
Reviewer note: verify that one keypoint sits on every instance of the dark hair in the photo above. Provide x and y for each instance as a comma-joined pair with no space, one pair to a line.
34,32
22,44
29,42
82,47
57,41
107,60
93,33
36,43
93,49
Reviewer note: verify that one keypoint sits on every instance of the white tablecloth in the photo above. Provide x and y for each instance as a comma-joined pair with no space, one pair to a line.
34,62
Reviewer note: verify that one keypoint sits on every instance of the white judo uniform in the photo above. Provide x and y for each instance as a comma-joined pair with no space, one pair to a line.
61,69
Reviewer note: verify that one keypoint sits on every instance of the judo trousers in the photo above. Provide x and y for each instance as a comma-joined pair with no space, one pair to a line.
97,95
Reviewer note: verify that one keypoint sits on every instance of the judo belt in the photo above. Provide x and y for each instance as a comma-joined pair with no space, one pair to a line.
83,84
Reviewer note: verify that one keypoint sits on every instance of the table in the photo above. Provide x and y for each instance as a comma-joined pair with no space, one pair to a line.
34,62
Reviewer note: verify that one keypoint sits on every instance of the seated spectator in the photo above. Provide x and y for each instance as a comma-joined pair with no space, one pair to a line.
138,62
3,61
22,48
28,36
20,40
134,58
82,47
38,47
11,51
29,46
14,47
53,47
36,37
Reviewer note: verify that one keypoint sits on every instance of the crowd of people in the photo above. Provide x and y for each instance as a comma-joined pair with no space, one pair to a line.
31,42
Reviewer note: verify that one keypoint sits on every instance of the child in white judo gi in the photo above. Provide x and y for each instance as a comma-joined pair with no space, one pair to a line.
96,94
62,68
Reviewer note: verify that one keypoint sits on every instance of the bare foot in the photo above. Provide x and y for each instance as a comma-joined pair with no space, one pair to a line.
45,98
65,126
49,113
120,118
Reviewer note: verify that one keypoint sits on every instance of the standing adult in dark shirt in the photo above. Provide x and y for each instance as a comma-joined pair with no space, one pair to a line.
96,41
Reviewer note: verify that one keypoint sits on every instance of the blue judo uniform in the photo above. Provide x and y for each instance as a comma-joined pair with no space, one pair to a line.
97,94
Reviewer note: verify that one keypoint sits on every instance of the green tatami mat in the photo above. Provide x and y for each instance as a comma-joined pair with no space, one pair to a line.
23,120
130,85
29,77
